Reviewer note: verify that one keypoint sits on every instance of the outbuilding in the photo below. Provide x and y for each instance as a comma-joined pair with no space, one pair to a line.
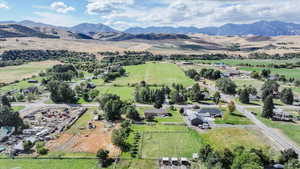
149,114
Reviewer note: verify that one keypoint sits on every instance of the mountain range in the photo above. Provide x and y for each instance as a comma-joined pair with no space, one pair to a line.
88,30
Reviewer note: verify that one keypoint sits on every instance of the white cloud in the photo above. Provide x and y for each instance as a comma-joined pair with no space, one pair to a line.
200,13
107,6
61,7
55,19
3,5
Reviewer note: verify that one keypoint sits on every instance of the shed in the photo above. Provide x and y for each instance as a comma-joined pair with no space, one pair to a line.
91,85
155,112
32,81
194,118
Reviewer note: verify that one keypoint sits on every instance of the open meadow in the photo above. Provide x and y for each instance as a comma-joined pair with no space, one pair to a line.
12,73
154,73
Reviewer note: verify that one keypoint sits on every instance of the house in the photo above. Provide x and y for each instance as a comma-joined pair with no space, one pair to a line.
5,132
33,89
213,112
149,114
195,118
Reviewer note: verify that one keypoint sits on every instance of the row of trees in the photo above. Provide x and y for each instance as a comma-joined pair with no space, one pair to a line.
204,73
241,158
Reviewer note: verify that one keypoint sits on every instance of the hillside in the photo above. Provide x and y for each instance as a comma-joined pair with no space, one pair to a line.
14,30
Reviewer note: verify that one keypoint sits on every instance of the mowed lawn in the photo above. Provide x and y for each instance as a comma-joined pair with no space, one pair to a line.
221,138
154,73
170,144
49,164
12,73
290,129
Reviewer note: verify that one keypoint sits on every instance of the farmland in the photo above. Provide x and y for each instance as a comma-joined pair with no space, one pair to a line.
12,73
289,73
154,73
234,62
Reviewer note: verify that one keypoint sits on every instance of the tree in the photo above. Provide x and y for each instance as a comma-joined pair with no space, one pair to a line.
103,156
247,160
132,113
226,85
204,152
60,92
287,155
227,158
268,107
112,106
244,96
217,97
40,148
231,107
255,75
265,73
27,145
270,87
5,101
195,93
10,118
292,164
287,96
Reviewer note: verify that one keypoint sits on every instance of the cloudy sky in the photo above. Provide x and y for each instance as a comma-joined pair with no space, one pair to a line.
122,14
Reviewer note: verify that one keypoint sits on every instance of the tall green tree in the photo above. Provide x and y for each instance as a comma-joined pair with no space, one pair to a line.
244,96
268,107
287,96
226,85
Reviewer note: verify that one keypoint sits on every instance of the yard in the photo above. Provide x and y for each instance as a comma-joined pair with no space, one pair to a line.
154,73
126,93
221,138
19,85
235,118
170,144
12,73
287,128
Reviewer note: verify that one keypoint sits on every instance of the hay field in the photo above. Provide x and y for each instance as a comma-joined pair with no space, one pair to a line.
12,73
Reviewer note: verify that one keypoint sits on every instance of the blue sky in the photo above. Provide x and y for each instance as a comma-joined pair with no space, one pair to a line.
122,14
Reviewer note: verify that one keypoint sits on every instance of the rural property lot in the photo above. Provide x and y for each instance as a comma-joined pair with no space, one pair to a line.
170,144
154,73
12,73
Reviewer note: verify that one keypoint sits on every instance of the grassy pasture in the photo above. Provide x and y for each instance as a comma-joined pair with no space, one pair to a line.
49,164
170,144
126,93
82,121
289,73
17,86
154,73
221,138
12,73
234,62
287,128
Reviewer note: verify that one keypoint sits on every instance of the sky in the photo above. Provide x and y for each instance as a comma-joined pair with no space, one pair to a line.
122,14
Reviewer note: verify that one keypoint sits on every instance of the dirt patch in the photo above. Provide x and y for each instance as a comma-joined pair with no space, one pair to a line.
87,141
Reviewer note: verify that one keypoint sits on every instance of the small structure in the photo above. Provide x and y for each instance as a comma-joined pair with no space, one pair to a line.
195,156
184,161
91,86
174,161
281,115
149,114
187,63
213,112
166,161
32,89
195,118
32,81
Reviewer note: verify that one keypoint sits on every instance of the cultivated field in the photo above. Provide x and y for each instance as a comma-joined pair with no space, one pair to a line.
12,73
154,73
170,144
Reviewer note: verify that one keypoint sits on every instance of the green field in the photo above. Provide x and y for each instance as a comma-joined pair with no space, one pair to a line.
289,73
12,73
17,86
49,164
221,138
170,144
126,93
235,118
154,73
288,128
234,62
